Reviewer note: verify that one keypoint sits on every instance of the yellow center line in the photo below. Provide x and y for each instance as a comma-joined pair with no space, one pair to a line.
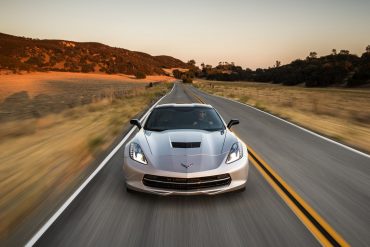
293,207
193,94
323,232
305,205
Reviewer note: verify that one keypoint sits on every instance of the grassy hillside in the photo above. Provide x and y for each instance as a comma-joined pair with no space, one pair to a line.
26,54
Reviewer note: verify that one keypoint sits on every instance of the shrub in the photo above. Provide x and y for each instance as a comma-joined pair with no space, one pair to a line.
86,68
95,143
244,98
177,74
140,75
186,79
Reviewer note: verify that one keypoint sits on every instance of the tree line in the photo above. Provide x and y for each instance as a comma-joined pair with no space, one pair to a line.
338,68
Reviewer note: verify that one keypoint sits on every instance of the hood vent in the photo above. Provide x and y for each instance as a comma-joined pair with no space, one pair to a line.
185,144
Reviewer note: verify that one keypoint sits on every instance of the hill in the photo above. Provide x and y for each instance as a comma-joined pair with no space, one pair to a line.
27,54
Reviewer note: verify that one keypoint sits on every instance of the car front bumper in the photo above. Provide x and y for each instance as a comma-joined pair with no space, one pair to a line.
134,173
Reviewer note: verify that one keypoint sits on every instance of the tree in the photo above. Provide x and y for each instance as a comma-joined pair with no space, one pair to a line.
191,62
334,52
186,79
86,68
140,75
313,54
344,52
277,64
177,74
368,49
208,67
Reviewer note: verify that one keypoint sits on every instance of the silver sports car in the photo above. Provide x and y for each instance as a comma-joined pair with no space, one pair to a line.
185,149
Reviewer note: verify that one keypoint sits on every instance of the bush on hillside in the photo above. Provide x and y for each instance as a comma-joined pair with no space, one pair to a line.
187,79
140,75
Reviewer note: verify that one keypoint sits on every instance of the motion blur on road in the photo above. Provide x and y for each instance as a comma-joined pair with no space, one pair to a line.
332,179
294,75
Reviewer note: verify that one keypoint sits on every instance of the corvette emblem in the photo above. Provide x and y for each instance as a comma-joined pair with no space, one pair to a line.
186,165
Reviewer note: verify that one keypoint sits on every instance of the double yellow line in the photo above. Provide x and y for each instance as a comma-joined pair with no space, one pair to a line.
324,233
310,218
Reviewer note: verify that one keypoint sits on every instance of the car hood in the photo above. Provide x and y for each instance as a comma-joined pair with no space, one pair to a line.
171,150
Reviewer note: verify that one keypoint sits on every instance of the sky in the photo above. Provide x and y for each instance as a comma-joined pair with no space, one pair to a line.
249,33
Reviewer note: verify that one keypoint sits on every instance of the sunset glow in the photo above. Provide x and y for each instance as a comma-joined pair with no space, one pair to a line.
250,33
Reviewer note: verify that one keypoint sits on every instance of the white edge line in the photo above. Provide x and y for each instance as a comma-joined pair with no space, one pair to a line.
55,216
297,126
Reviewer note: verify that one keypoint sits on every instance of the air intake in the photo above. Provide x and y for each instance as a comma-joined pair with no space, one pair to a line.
185,144
186,183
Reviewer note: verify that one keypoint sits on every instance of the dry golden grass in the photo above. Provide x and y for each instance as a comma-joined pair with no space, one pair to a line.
41,158
43,82
343,114
38,94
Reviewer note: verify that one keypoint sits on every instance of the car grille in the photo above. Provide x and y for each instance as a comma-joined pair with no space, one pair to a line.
186,183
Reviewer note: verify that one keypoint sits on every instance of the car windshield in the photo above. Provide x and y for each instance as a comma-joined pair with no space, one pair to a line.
169,118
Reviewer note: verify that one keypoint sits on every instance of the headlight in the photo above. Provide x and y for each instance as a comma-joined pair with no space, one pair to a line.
137,154
236,153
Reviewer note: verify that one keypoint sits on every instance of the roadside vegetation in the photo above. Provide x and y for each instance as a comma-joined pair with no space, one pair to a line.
342,114
140,75
340,68
188,75
43,157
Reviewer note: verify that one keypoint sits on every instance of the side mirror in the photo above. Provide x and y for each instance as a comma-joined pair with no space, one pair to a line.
136,122
232,122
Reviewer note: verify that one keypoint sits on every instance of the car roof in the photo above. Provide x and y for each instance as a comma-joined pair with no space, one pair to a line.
183,105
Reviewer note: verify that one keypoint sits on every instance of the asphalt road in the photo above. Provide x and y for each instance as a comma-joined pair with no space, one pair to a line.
335,181
332,179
